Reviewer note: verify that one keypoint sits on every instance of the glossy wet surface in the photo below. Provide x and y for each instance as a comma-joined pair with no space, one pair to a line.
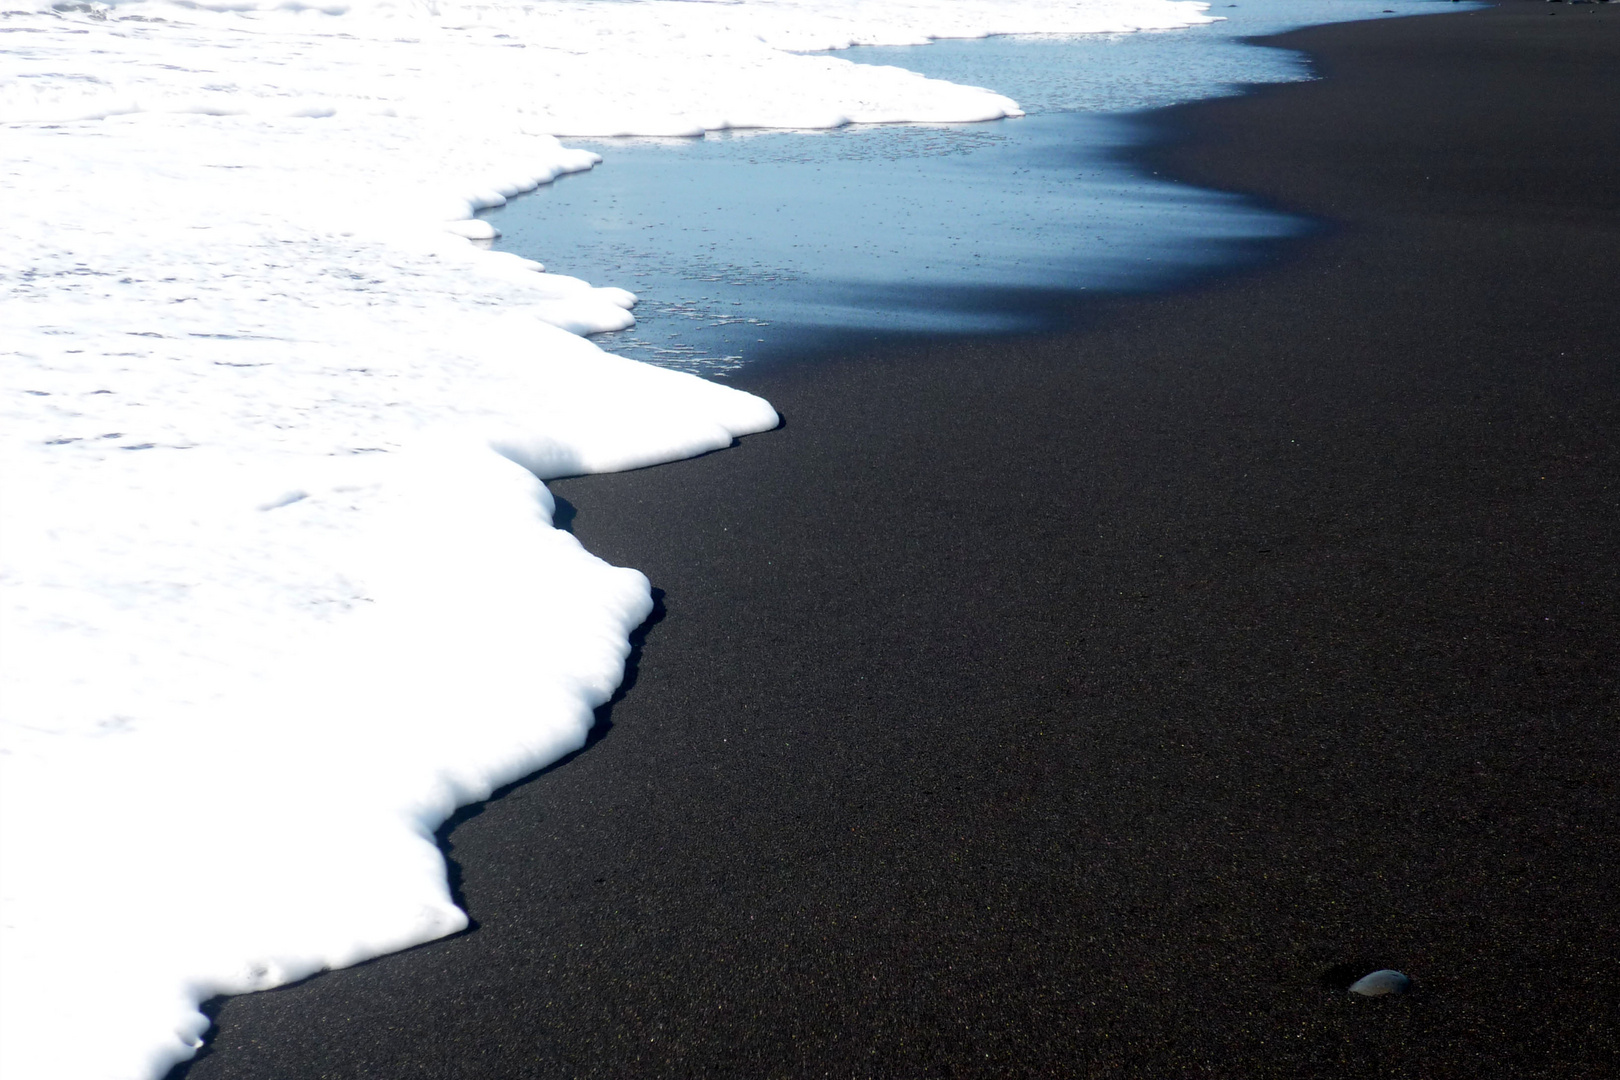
745,244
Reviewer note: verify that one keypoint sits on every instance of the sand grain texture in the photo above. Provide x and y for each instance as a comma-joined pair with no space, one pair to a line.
1105,703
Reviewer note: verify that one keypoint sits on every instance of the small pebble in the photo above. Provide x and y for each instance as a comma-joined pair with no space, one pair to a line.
1379,983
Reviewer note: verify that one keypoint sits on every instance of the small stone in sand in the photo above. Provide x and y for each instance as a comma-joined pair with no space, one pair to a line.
1379,983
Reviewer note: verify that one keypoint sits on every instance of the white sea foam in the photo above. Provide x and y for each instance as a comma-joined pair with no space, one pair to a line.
280,584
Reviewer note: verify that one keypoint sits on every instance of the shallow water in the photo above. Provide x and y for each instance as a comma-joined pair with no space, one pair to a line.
1119,73
741,244
737,242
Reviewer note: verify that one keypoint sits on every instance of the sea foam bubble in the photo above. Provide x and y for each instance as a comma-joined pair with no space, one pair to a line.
281,587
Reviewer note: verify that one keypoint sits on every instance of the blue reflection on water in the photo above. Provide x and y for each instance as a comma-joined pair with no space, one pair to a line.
741,244
1147,70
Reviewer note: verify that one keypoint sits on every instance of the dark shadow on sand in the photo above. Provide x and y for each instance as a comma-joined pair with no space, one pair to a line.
600,729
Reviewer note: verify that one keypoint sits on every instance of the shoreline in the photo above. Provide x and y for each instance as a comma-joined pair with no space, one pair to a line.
1128,233
1095,701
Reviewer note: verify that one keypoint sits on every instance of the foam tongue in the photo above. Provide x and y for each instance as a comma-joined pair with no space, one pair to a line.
281,586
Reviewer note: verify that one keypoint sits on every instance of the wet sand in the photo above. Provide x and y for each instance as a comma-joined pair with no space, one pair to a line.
1102,703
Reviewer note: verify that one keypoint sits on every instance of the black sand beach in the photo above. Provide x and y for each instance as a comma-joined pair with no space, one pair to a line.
1101,703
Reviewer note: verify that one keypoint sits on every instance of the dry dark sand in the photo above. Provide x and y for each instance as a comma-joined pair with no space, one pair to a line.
1098,704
